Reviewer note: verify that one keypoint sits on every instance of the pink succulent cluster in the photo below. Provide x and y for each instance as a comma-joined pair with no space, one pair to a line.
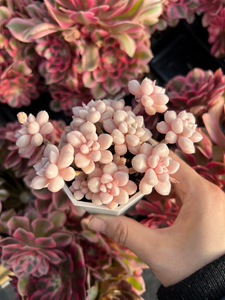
80,189
180,128
32,131
93,48
127,130
18,85
213,19
110,186
216,34
176,10
89,147
156,165
94,112
33,252
18,76
197,91
104,139
151,96
54,168
158,214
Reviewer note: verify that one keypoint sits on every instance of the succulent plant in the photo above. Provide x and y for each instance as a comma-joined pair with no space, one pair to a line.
180,128
158,214
95,47
156,166
197,91
18,85
216,34
174,11
210,9
35,243
151,96
66,282
22,164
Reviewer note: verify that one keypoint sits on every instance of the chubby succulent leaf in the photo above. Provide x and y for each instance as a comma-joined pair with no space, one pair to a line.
135,283
124,26
127,44
7,215
18,27
19,222
40,30
90,58
23,284
61,18
62,239
58,218
5,14
41,227
3,194
93,292
134,10
216,167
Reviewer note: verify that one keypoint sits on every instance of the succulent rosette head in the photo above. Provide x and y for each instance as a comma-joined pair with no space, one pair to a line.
105,43
89,147
18,85
157,166
151,96
216,34
127,130
66,281
110,186
180,128
115,68
97,253
92,112
65,97
54,168
35,243
56,55
211,6
175,10
197,91
32,131
80,189
158,214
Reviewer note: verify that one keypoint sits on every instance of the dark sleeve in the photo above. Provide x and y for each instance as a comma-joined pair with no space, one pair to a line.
206,283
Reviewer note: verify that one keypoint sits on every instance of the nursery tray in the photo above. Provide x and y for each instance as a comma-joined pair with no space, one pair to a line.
103,209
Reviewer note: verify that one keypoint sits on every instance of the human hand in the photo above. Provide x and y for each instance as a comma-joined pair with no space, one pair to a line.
196,238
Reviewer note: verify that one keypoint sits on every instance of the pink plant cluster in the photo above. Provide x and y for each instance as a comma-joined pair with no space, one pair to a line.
90,49
99,141
180,128
33,131
214,20
45,239
196,92
176,10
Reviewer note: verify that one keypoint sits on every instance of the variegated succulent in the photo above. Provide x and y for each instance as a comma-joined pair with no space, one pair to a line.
35,243
174,11
96,47
196,92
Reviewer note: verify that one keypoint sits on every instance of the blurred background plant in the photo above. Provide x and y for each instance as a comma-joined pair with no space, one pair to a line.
74,51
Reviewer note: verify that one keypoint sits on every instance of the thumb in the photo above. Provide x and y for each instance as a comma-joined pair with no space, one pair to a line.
141,240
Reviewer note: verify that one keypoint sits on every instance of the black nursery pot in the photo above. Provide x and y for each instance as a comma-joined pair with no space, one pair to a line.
180,49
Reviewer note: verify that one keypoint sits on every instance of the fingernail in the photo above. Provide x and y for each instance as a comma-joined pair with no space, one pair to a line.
97,225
